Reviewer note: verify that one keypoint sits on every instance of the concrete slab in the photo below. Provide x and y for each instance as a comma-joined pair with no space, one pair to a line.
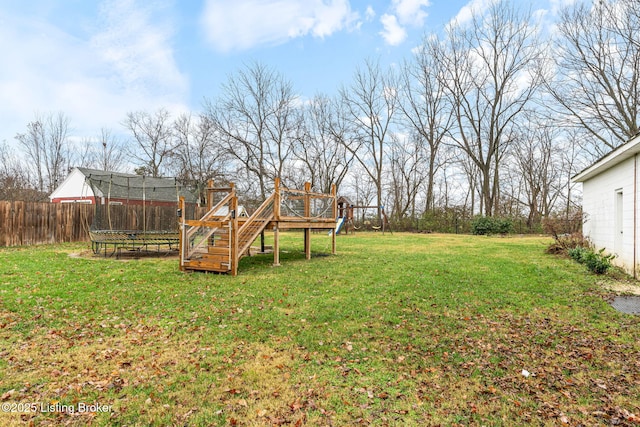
629,304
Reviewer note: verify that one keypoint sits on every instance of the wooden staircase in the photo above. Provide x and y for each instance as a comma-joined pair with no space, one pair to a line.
217,241
218,256
256,223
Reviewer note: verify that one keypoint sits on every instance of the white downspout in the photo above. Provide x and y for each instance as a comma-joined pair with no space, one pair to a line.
635,213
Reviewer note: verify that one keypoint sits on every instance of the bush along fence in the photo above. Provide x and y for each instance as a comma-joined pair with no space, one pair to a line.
483,225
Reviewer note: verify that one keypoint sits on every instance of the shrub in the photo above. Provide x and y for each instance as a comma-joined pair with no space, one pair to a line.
596,262
503,225
485,225
563,243
481,225
451,219
578,253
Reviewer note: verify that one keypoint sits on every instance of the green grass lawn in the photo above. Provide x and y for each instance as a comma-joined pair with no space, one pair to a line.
396,329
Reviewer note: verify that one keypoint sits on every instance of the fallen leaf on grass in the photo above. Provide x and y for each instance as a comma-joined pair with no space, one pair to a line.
7,395
296,405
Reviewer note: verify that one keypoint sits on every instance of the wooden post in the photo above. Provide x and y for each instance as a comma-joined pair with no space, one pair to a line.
209,194
181,235
233,234
276,217
276,246
276,201
307,214
335,216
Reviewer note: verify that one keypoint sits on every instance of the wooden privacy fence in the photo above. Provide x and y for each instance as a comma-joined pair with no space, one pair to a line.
33,223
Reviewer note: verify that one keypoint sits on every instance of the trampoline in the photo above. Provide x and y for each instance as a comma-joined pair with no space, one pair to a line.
135,212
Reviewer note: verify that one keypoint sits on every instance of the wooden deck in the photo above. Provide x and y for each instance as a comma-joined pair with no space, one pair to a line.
217,241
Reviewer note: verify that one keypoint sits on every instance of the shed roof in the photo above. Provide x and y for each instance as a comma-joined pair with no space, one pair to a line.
618,155
344,200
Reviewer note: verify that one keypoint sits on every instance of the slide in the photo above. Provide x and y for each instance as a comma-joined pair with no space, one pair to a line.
339,224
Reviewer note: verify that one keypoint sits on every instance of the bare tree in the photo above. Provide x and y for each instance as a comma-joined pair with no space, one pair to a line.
322,150
491,77
153,136
198,156
370,103
15,180
362,190
473,196
572,160
104,152
537,159
426,108
110,155
598,59
258,120
47,148
624,19
84,154
408,173
33,142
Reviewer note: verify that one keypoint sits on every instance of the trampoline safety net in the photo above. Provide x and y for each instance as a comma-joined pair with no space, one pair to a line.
135,212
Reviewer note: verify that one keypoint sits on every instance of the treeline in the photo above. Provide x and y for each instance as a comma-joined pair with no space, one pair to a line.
491,117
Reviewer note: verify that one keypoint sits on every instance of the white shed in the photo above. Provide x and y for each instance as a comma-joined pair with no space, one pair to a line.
611,204
74,189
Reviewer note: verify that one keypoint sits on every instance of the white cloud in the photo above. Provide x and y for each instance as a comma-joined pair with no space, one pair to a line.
370,13
138,51
557,5
243,24
465,14
393,34
94,79
403,13
410,12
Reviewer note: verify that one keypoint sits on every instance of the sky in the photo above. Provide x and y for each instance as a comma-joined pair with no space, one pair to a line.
95,61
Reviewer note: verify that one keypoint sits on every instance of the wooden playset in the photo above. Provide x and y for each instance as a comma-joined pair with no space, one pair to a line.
217,241
346,217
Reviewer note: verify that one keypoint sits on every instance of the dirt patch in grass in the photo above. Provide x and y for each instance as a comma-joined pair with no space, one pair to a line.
621,286
261,390
126,254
